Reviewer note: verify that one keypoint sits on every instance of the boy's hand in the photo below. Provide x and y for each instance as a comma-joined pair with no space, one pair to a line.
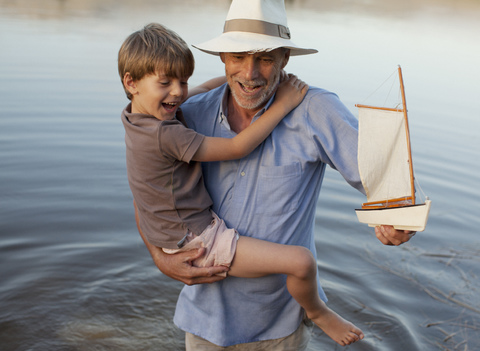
291,91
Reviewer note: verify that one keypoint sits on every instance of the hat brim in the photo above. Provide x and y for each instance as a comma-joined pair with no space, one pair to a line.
250,42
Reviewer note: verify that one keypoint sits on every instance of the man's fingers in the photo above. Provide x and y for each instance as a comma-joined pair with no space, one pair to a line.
206,275
381,237
390,236
192,255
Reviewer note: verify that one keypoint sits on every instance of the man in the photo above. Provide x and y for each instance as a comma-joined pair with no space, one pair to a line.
270,194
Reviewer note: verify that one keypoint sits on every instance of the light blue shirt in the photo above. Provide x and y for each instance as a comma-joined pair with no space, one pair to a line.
271,194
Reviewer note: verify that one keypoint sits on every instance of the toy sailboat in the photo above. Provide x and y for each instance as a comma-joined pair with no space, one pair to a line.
386,168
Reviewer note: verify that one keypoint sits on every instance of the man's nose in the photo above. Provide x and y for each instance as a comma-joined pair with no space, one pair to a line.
250,68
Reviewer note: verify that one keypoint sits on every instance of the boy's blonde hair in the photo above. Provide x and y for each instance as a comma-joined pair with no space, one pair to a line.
154,49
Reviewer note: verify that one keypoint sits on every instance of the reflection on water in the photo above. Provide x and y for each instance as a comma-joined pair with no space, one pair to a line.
75,274
89,8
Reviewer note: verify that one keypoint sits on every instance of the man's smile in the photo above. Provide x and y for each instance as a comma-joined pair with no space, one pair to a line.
250,88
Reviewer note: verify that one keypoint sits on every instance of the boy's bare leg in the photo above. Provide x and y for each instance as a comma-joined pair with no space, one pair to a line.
256,258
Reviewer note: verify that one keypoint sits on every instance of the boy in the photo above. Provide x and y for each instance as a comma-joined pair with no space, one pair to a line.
164,172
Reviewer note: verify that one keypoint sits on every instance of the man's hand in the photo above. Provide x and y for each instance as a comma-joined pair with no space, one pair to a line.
179,266
391,236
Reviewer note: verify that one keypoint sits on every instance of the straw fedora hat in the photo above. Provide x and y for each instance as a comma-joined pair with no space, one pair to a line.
253,26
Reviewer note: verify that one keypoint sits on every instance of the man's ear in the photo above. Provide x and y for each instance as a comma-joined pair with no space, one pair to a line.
286,58
129,83
222,57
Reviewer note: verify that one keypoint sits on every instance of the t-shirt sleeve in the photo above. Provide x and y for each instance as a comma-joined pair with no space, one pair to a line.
177,141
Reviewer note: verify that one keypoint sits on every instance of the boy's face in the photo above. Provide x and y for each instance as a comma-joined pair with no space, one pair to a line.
158,95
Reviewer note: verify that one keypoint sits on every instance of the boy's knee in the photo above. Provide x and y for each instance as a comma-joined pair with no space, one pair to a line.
306,264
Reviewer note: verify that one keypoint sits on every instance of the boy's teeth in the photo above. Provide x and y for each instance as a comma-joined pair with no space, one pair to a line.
169,106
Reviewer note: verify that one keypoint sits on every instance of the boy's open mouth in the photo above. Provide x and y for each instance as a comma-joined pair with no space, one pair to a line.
170,106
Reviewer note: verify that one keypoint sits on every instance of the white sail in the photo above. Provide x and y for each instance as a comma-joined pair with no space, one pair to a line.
383,155
386,169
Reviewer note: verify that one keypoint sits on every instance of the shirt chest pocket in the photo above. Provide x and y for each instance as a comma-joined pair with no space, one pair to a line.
277,190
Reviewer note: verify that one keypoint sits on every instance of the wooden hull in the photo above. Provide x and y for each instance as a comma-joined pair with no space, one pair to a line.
412,217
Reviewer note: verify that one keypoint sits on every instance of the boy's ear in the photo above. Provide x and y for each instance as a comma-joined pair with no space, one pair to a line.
129,83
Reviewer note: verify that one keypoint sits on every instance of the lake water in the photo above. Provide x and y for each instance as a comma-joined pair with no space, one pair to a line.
74,273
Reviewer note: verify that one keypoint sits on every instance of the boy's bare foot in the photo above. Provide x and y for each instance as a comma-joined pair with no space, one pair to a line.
340,330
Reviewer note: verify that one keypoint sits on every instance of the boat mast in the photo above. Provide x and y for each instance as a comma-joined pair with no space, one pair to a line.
412,184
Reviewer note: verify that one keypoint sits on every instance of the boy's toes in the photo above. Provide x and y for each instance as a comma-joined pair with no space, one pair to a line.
351,338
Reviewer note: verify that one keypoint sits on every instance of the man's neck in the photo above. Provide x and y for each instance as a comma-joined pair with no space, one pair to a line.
239,118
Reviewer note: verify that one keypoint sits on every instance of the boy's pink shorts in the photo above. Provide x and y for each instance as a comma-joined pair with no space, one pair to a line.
219,242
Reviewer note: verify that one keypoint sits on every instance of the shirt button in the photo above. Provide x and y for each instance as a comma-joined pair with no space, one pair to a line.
242,174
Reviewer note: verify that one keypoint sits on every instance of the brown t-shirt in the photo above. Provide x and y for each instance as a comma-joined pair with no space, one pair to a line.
166,184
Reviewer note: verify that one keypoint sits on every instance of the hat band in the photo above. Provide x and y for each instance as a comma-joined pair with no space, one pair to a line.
257,26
